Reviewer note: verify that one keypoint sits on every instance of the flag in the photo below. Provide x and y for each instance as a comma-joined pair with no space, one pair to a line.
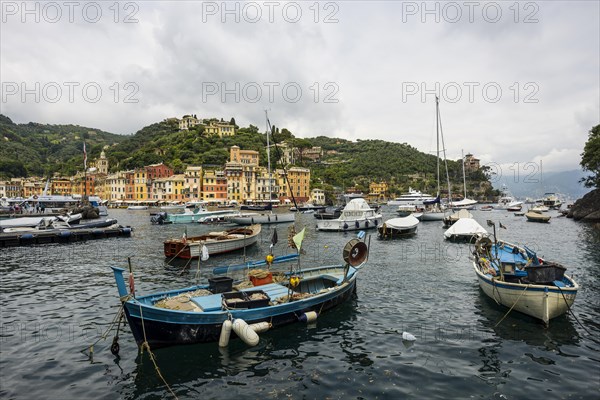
502,226
298,239
84,156
490,222
274,237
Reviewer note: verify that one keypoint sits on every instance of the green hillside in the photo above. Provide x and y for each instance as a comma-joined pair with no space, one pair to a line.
37,149
40,149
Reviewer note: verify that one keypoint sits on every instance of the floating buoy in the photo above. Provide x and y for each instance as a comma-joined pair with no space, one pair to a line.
345,226
408,336
225,334
260,327
308,317
248,336
64,233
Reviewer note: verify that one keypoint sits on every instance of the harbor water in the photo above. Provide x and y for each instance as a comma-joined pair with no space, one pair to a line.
58,299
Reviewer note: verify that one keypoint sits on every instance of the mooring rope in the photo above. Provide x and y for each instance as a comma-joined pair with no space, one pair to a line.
116,318
146,345
571,311
515,303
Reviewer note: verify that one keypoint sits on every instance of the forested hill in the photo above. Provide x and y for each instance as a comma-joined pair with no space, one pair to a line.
36,149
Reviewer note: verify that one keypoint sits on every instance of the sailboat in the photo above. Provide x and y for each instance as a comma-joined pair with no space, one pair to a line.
434,211
465,203
266,217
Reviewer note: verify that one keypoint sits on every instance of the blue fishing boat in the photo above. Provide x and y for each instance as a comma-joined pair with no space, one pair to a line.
209,313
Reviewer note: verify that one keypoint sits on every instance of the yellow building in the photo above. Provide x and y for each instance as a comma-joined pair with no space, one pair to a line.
378,191
139,185
187,122
234,173
10,189
175,187
299,184
115,186
219,128
60,186
246,157
242,174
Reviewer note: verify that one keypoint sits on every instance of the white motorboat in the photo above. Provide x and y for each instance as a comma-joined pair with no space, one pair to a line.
413,197
356,215
398,227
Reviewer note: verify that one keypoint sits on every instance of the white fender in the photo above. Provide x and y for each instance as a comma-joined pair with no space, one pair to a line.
225,334
243,330
308,317
260,327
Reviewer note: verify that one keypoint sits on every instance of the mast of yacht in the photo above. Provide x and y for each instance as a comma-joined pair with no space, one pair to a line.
268,156
445,161
462,155
437,138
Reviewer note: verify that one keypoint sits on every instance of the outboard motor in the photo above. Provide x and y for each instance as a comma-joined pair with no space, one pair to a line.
159,218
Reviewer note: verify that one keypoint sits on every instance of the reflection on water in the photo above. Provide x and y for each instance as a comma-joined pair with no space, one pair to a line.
58,299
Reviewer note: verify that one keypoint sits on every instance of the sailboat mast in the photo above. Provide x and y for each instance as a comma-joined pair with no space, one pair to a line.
462,154
268,155
437,138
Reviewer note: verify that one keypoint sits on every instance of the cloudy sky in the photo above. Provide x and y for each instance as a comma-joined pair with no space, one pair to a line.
518,82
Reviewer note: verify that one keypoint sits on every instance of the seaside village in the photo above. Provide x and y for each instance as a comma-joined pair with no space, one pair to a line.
240,181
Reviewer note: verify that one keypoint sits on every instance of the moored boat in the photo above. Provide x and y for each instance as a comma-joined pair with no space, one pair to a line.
451,219
355,216
465,230
262,218
398,227
205,313
536,216
516,278
215,242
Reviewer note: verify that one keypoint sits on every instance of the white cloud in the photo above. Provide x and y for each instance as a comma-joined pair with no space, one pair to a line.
366,61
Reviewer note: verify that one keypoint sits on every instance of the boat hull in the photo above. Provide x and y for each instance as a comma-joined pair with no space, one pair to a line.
543,302
162,327
391,233
263,219
193,250
336,225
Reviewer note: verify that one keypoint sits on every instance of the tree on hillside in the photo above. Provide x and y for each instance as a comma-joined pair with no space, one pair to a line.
590,159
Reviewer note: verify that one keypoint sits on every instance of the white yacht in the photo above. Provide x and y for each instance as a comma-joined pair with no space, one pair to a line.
413,197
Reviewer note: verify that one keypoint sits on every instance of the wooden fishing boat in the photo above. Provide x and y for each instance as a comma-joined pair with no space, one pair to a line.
215,242
517,278
207,313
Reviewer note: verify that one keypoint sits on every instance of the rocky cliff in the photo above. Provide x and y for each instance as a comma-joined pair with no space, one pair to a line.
587,208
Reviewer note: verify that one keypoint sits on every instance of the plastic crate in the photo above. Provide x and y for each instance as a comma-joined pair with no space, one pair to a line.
244,300
220,284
